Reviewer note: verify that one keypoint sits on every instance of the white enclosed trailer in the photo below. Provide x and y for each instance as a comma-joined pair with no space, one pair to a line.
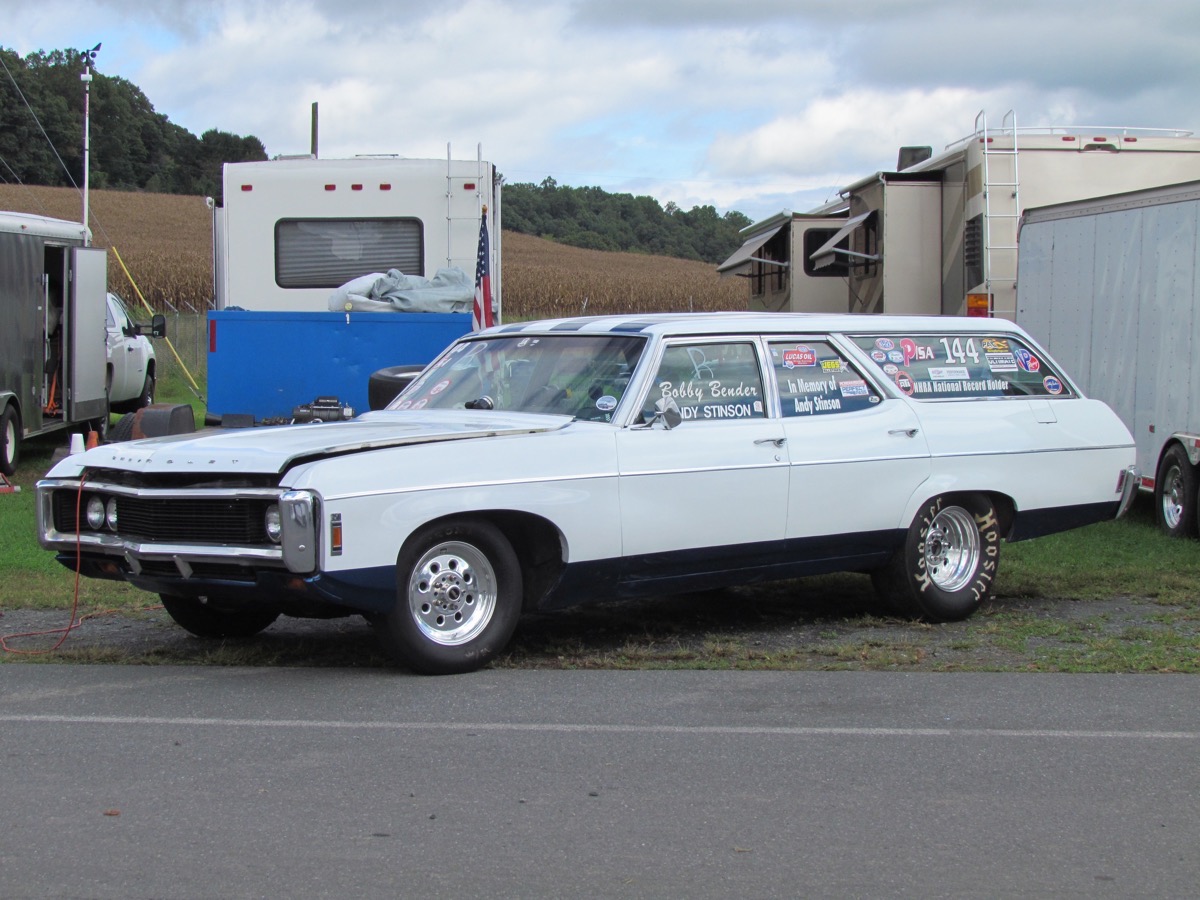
1111,286
937,236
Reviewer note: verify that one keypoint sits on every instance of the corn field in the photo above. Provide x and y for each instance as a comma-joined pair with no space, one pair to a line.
165,243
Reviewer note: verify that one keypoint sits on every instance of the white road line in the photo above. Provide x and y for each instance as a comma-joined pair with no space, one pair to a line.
789,731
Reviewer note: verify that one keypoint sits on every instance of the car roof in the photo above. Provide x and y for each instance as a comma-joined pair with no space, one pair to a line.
671,324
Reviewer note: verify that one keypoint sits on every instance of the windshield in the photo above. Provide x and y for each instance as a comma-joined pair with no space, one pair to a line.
578,375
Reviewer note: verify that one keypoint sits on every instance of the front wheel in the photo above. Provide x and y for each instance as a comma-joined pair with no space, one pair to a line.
1175,494
458,598
206,621
947,566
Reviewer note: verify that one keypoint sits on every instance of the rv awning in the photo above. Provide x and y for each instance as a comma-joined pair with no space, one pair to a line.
745,254
829,251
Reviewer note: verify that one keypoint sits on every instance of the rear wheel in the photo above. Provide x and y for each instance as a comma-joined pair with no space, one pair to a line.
1175,494
207,621
458,587
10,440
948,563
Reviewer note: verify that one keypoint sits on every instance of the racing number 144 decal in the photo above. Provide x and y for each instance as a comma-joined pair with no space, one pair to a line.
957,352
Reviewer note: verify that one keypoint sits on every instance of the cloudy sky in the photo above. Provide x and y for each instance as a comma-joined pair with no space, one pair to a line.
756,107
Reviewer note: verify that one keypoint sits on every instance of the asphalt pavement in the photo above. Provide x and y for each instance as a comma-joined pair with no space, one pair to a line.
190,782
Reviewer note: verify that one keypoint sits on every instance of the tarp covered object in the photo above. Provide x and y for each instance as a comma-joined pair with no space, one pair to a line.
448,291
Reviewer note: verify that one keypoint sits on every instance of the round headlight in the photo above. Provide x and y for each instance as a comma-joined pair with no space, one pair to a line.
95,513
273,523
110,514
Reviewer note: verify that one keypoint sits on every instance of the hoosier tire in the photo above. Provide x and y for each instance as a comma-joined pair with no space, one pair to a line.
947,566
458,598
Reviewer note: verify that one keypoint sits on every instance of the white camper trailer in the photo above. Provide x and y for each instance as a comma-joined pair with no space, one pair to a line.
939,234
292,230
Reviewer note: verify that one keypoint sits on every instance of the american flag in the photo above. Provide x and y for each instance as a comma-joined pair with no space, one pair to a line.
481,312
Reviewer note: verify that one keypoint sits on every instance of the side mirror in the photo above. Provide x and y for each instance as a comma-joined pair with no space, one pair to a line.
158,326
666,414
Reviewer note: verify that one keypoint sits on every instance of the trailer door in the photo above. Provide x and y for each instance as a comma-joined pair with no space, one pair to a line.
84,337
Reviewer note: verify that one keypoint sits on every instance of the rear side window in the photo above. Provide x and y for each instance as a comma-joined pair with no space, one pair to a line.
815,379
953,366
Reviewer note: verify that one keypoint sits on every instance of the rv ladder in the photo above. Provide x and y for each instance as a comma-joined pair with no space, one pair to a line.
1001,215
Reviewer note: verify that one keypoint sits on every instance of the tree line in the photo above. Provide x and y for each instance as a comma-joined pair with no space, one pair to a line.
132,146
592,218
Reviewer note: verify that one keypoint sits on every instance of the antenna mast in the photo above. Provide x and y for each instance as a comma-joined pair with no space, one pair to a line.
89,57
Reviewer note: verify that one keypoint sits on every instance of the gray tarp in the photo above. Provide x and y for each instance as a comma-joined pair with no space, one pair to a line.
450,290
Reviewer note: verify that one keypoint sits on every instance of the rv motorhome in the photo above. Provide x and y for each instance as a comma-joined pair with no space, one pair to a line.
938,236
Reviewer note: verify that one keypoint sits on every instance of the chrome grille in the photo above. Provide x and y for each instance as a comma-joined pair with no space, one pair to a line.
239,521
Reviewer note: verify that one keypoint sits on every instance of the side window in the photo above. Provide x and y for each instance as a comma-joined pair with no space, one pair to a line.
709,382
815,379
953,366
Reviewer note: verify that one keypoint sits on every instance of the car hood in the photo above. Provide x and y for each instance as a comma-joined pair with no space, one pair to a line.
274,449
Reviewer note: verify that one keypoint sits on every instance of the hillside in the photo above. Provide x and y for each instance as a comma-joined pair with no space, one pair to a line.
166,241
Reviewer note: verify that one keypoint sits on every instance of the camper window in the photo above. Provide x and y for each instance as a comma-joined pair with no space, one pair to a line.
327,253
814,240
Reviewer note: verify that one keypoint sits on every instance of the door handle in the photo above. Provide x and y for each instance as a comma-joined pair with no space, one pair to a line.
907,432
778,442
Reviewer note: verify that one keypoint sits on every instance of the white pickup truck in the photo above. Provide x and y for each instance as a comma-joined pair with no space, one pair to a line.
131,362
542,464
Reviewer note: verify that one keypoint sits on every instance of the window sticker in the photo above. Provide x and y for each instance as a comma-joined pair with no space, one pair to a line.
953,366
828,384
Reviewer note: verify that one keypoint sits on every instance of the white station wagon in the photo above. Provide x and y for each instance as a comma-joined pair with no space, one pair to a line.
543,464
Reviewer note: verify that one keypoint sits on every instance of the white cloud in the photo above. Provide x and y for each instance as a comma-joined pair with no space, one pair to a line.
695,101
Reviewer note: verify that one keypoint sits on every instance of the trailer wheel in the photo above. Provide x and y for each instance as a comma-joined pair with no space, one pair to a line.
1175,494
10,440
947,566
203,620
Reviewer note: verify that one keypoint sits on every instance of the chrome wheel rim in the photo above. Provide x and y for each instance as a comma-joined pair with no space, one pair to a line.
10,442
952,549
452,593
1172,497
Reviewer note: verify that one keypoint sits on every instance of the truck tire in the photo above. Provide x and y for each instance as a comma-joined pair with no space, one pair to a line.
947,566
458,598
147,395
385,384
1175,494
10,439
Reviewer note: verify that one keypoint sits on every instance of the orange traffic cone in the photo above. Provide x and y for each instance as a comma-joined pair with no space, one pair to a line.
93,440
